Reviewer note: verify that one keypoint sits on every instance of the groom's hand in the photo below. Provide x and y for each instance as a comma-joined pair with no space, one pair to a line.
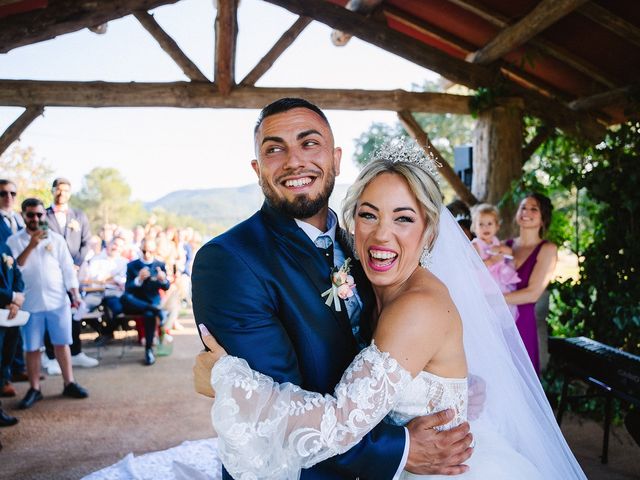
433,452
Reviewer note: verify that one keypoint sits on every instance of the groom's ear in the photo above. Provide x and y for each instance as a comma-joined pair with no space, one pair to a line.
337,157
256,168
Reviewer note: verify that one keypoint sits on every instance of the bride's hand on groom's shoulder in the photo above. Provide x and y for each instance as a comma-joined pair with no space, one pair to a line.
204,363
434,452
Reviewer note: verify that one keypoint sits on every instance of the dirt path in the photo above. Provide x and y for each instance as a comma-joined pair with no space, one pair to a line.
138,409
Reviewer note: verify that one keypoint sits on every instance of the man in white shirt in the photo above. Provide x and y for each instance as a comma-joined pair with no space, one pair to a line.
49,276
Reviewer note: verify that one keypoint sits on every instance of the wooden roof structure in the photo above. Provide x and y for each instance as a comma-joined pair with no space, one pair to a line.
573,63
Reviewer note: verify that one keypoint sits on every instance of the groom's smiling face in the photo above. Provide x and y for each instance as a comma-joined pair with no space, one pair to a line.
297,162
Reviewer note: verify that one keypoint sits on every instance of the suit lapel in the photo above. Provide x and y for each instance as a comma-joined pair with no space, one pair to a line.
53,221
299,247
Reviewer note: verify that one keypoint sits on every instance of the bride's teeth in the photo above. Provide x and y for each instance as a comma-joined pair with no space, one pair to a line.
382,255
298,182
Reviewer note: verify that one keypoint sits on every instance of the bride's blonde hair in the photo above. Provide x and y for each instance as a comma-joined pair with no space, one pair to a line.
415,168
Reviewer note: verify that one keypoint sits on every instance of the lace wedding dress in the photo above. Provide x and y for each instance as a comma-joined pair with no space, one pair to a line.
271,431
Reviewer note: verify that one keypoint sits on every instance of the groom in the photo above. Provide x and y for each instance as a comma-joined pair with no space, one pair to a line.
258,289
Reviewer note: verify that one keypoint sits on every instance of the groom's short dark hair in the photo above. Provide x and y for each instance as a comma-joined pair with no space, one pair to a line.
284,105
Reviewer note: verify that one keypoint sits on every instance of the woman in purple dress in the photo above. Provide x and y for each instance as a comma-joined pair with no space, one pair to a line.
535,260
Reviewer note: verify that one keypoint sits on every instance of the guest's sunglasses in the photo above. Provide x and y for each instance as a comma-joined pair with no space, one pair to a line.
34,214
4,194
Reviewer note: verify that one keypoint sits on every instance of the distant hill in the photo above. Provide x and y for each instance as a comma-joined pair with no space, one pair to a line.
224,206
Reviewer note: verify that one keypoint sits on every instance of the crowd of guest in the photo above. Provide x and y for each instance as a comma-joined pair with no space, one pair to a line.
54,273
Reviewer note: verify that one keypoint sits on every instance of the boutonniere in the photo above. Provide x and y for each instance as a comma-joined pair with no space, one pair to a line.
48,247
74,225
8,260
342,285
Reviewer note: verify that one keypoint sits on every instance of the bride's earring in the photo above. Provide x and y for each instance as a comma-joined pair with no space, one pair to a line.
425,258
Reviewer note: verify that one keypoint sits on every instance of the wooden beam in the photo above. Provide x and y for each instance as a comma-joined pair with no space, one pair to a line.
278,49
226,33
420,136
620,96
466,48
205,95
384,37
616,24
363,7
459,71
544,14
540,44
13,132
540,137
170,47
65,16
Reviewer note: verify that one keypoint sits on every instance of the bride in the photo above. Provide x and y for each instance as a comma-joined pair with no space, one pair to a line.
438,320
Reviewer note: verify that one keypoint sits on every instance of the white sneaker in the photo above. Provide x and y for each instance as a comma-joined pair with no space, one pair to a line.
44,360
53,368
83,360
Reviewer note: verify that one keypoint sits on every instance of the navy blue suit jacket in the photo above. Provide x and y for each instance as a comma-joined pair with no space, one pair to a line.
10,276
5,231
149,290
77,238
258,289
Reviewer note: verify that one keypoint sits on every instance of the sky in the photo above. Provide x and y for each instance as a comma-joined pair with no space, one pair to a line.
160,150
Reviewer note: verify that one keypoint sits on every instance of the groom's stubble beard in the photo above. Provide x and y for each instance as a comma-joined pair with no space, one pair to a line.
301,206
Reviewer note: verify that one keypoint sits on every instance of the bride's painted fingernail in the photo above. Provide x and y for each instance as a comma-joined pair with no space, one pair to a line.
203,330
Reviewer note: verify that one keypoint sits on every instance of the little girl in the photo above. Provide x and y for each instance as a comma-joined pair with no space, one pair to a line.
498,258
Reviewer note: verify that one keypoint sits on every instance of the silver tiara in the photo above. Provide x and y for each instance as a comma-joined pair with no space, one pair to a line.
406,150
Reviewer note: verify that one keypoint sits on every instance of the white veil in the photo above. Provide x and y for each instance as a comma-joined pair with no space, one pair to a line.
515,403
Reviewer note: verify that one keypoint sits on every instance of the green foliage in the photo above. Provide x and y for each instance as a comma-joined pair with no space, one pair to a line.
484,98
31,175
604,304
104,197
444,130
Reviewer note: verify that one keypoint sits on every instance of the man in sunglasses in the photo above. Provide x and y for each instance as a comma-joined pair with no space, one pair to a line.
10,222
49,277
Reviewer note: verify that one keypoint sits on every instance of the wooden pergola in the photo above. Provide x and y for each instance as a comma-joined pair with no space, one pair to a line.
575,64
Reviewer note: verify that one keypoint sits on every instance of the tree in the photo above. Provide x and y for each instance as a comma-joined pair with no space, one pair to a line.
31,174
105,197
445,131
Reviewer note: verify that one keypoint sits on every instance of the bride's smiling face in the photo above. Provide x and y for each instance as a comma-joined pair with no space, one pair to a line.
389,230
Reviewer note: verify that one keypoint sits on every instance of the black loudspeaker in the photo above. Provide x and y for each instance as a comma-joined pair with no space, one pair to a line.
463,163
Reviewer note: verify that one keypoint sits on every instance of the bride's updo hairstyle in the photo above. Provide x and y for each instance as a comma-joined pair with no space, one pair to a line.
404,158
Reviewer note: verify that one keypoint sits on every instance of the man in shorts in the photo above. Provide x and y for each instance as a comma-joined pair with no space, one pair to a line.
50,279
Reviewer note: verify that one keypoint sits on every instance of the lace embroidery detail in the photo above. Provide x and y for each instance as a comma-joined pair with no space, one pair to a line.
270,431
429,393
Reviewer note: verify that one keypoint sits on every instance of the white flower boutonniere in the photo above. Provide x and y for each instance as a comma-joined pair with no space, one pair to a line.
48,247
74,225
8,260
342,285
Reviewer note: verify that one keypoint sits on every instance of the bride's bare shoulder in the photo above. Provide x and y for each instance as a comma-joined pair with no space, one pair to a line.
424,303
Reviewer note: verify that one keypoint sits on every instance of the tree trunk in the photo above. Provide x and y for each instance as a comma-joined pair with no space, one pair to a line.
497,157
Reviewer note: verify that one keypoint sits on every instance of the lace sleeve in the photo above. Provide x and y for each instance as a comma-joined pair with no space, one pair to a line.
270,431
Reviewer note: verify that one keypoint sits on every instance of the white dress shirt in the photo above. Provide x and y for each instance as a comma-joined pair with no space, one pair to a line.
313,233
102,266
48,272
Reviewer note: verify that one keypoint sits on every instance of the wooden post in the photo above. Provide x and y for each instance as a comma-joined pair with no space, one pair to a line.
497,156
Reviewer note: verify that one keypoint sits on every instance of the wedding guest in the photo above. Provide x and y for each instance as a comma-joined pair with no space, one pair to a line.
50,278
145,278
535,260
461,213
497,257
106,271
12,222
11,299
73,225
